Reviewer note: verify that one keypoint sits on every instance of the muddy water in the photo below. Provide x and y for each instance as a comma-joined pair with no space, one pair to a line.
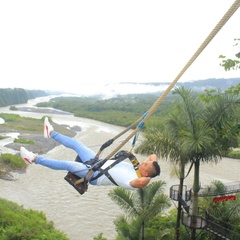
82,217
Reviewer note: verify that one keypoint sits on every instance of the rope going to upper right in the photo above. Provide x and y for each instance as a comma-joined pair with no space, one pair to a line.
140,122
152,109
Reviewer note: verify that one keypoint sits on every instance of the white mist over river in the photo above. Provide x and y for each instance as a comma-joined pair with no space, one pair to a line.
82,217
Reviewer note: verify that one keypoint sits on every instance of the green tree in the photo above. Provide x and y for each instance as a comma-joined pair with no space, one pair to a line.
163,227
194,132
229,63
139,206
19,223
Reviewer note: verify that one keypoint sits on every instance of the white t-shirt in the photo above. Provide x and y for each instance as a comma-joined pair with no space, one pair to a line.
122,173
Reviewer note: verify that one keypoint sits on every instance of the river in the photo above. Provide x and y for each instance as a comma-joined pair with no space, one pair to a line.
82,217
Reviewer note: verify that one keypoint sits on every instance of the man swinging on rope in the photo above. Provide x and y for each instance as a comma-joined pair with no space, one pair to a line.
123,173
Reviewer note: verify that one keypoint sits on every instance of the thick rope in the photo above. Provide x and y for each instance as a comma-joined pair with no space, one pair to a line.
213,33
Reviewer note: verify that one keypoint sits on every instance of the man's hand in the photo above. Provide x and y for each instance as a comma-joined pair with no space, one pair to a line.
152,157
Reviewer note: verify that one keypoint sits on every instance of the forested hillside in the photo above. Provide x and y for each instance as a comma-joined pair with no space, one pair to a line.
198,85
121,110
211,83
9,96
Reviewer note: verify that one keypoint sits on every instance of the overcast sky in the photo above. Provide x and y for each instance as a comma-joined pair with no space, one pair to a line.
78,45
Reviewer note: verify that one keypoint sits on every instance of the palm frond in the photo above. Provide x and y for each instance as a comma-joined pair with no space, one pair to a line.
124,199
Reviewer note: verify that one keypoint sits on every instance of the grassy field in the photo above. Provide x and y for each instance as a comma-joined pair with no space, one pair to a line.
30,136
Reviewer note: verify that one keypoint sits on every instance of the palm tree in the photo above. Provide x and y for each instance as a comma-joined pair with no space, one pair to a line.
194,132
165,143
139,206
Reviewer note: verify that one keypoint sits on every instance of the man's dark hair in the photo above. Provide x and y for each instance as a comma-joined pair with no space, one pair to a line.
157,169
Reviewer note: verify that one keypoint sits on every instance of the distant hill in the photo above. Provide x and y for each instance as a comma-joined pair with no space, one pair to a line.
212,83
10,97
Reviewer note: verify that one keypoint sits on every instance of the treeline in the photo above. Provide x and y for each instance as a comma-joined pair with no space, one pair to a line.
9,96
122,110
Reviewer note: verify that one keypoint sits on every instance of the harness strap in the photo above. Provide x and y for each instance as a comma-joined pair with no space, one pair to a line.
119,158
81,184
135,164
108,175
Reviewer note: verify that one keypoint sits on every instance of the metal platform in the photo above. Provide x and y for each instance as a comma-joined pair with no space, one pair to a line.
191,221
209,223
174,190
233,187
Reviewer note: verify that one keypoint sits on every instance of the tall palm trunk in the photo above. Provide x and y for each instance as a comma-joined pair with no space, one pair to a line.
143,222
180,192
196,187
143,230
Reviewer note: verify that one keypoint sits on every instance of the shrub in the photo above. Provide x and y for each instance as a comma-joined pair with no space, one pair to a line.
24,141
13,161
19,223
234,154
10,117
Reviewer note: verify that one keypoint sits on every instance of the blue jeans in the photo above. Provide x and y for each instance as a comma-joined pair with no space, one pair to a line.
77,168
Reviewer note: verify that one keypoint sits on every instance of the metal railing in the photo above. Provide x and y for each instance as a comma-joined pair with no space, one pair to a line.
210,190
209,223
174,193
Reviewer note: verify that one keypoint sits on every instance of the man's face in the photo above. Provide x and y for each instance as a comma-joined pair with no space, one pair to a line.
146,168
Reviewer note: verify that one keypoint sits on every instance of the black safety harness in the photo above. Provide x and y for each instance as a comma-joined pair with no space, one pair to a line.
95,164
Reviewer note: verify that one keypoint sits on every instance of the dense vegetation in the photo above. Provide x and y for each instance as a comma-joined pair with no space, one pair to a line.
121,110
10,162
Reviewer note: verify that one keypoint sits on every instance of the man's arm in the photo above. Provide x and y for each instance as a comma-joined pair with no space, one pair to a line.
152,157
140,182
143,181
